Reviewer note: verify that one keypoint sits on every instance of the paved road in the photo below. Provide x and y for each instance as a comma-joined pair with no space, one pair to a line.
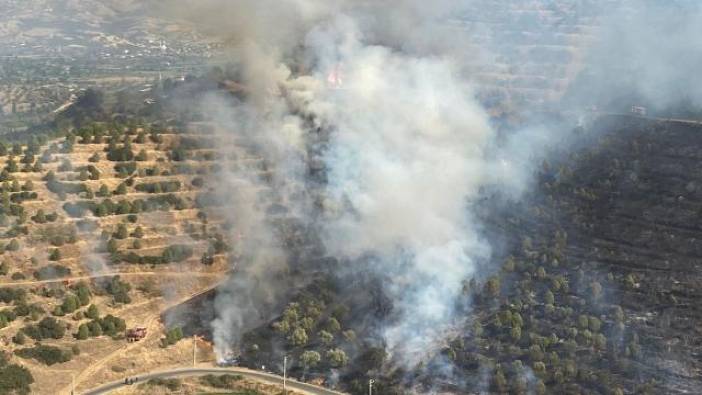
152,331
251,374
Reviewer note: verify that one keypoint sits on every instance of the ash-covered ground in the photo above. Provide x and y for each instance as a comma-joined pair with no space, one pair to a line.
596,293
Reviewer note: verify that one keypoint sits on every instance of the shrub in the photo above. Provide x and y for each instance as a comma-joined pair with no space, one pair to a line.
173,336
122,154
70,304
171,384
48,355
121,189
47,328
83,293
92,312
122,232
125,169
138,232
310,359
119,290
177,253
337,357
14,379
13,245
141,156
159,187
55,255
52,272
19,338
224,381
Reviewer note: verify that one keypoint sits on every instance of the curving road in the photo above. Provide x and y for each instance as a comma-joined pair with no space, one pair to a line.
268,378
151,331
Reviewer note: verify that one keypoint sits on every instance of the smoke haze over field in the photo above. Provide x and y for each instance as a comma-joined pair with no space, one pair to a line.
648,50
409,146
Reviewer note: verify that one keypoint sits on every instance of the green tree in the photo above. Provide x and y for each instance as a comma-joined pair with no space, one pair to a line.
138,232
11,165
173,336
83,332
101,210
55,255
70,304
83,294
549,298
310,359
122,232
298,337
13,245
95,329
333,325
104,191
516,333
140,138
583,321
492,287
112,246
325,337
19,338
92,312
121,189
337,357
141,156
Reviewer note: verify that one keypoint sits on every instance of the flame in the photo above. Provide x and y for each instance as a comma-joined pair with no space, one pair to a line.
335,79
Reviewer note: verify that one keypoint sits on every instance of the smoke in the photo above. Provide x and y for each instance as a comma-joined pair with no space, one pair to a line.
646,54
404,145
407,151
260,283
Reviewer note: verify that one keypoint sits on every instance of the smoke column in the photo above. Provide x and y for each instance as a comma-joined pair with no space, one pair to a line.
407,154
409,150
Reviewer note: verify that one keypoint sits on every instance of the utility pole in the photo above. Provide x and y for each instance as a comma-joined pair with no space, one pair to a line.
370,386
194,349
285,368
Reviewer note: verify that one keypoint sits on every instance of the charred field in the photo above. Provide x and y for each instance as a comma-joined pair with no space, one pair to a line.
596,291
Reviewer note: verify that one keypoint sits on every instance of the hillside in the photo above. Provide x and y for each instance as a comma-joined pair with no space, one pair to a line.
101,231
596,292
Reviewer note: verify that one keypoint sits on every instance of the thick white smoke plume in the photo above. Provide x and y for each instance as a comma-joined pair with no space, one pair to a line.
408,149
408,152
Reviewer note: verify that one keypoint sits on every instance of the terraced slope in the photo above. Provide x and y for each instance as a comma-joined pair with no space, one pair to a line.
116,218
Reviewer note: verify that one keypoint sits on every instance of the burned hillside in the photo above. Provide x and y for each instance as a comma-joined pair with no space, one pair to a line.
596,293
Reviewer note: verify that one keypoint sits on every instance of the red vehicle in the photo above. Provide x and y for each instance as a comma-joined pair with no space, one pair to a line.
136,334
